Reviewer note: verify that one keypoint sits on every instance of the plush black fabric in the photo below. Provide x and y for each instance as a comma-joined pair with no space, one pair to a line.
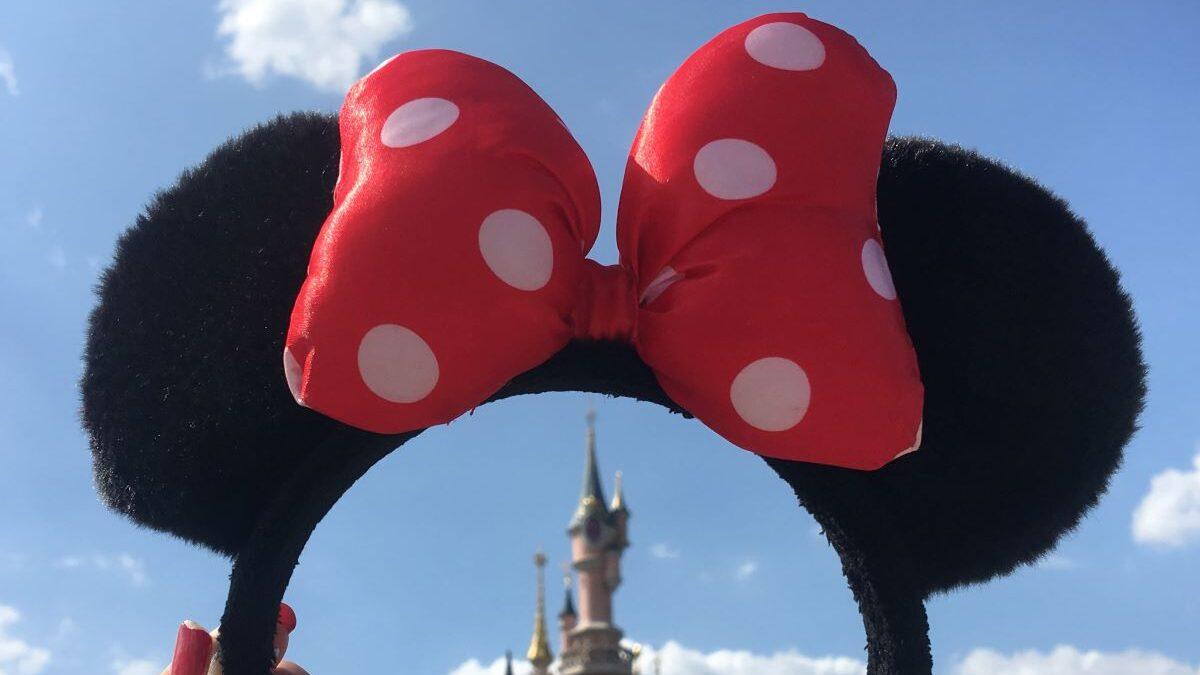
1027,346
190,422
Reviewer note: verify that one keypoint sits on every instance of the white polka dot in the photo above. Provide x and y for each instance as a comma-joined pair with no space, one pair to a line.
396,364
294,374
417,121
771,394
875,266
731,168
517,249
664,280
786,46
916,443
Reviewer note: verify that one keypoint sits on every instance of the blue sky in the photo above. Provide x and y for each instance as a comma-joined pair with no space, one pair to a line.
426,563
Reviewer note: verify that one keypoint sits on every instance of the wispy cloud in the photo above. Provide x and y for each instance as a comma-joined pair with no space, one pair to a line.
8,73
18,656
496,667
134,569
120,662
675,659
326,43
65,630
663,551
39,241
746,570
1067,660
1169,514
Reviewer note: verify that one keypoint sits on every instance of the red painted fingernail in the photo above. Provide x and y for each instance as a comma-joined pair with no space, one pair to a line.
287,617
193,648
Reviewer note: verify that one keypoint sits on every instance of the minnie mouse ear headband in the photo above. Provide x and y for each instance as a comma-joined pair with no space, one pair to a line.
752,292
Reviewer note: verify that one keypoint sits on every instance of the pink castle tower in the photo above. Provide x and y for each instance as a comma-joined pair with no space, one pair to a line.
591,641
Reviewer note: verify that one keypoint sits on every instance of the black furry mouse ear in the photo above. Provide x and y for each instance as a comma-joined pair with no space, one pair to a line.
1029,352
188,416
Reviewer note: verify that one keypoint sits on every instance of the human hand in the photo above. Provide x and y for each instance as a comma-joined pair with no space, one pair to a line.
196,649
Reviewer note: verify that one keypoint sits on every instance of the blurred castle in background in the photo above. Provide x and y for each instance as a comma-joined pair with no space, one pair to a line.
588,636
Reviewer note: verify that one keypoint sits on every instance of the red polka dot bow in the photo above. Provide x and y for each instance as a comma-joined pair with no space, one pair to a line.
752,279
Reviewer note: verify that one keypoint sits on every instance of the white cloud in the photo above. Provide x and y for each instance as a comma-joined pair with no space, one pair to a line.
133,568
663,551
8,73
675,659
34,218
679,660
120,662
1169,514
474,667
66,629
136,667
325,43
1066,660
746,570
18,657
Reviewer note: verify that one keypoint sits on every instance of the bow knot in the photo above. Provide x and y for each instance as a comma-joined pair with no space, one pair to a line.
606,305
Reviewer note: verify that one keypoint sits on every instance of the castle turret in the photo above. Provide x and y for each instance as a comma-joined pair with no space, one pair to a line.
619,517
567,618
619,508
539,653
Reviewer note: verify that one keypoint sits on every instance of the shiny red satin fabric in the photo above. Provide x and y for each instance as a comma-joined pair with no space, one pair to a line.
752,277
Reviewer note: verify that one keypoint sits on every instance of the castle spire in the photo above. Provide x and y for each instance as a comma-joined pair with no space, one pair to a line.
591,496
591,474
569,603
539,653
618,502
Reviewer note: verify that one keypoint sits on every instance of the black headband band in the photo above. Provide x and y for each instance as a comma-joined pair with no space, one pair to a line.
893,611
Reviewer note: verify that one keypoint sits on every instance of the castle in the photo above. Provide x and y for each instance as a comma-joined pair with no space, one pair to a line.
588,637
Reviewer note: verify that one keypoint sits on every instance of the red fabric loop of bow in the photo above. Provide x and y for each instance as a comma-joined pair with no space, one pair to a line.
752,277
